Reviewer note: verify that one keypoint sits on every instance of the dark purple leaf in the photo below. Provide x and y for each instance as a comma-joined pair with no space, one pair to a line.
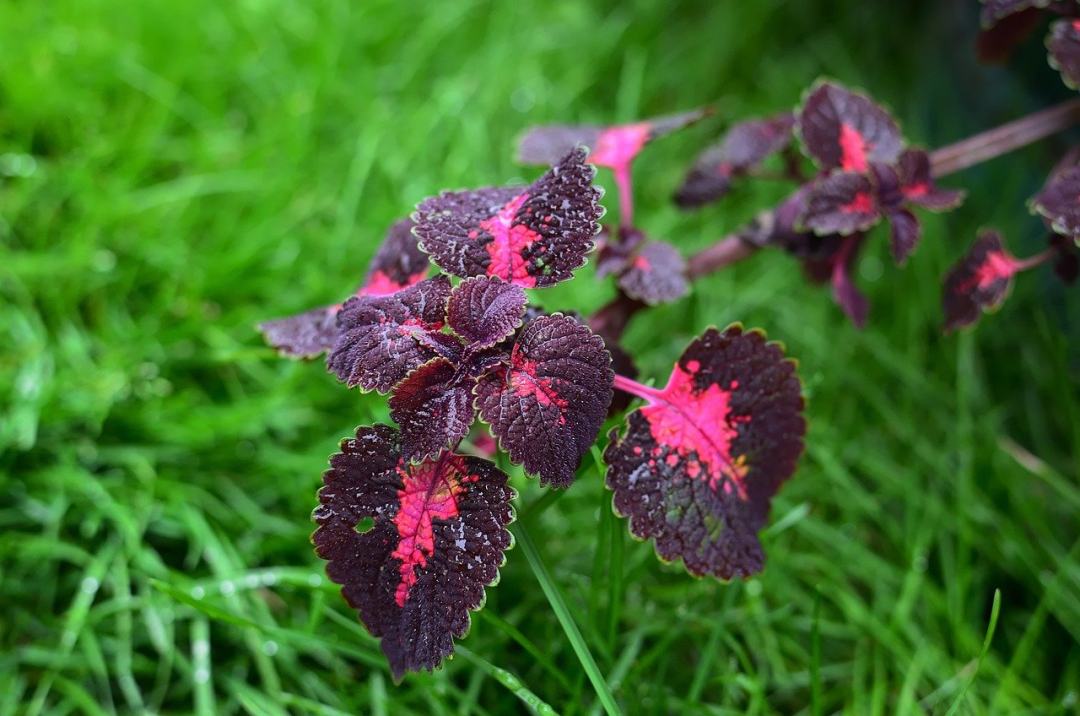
532,236
904,233
484,311
841,203
697,467
434,407
546,406
305,335
979,282
656,273
744,147
841,129
399,262
613,147
614,255
383,339
918,187
1063,44
438,537
1059,202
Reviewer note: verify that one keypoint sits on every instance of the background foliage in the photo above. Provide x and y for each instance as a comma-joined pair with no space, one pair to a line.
173,172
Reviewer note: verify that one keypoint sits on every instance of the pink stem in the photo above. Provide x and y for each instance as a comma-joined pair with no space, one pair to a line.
626,195
1009,137
614,316
631,386
1037,260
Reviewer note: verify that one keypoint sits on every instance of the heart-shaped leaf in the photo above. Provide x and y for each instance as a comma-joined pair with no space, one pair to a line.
437,537
841,203
841,129
546,405
743,148
532,236
1063,44
484,311
305,335
918,187
383,339
1059,202
979,282
656,273
696,468
434,407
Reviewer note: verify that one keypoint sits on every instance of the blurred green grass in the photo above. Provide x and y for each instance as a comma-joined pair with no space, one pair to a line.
172,173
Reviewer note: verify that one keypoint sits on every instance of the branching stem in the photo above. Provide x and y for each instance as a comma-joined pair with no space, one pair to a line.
611,320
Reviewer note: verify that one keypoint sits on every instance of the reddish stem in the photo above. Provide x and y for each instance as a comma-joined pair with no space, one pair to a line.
611,319
631,386
1009,137
728,250
1037,260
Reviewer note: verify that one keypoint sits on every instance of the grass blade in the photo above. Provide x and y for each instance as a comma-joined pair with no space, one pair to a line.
566,620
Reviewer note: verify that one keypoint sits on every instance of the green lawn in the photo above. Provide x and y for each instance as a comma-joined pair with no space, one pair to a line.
173,172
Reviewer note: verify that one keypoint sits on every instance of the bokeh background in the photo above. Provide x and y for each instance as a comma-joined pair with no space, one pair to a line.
171,173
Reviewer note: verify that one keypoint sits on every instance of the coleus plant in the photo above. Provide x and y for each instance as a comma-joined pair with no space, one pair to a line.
413,528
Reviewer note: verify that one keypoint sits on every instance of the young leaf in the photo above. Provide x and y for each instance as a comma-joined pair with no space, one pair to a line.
613,146
697,467
918,187
305,335
744,147
656,273
484,311
438,537
904,234
532,236
614,255
381,340
841,129
979,282
546,406
1059,202
434,407
841,203
399,262
1063,44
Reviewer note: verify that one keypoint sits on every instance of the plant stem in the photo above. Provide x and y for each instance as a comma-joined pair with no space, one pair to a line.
610,320
631,386
1037,260
1009,137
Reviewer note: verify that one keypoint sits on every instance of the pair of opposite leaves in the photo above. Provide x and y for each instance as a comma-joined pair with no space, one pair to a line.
865,175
